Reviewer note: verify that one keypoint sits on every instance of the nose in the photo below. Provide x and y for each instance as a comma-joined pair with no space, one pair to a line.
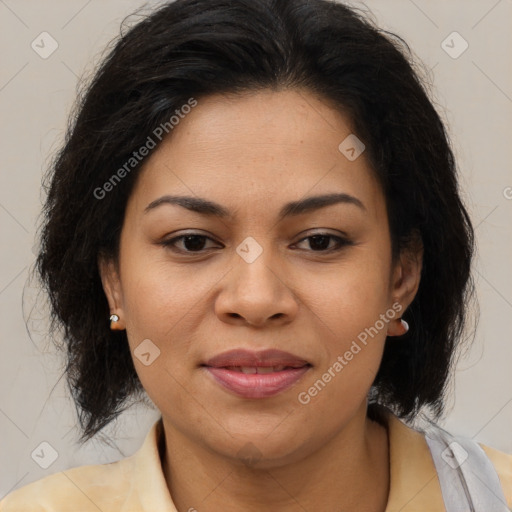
256,294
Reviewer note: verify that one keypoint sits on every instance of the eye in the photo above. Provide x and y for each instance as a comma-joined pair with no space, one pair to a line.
197,243
320,242
190,243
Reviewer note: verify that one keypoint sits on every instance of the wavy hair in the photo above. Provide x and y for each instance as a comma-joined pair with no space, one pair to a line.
196,48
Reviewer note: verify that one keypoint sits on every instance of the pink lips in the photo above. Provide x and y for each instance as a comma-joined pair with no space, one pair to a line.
256,374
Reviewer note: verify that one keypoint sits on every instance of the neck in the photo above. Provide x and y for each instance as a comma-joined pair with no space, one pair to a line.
348,472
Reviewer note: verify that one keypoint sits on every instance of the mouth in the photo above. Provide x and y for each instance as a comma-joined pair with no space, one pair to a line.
256,374
260,370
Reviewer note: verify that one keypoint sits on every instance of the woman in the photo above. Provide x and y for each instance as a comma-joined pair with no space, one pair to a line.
255,220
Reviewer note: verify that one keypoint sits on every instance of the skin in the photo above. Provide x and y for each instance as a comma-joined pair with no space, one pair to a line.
253,153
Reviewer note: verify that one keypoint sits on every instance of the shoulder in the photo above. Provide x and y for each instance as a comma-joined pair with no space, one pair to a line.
133,483
502,463
415,477
85,488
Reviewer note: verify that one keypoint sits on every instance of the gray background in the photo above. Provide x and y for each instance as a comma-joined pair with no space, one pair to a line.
474,96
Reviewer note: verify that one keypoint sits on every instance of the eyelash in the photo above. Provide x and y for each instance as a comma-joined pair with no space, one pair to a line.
341,243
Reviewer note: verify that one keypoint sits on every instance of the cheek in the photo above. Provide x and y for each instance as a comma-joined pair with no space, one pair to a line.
159,307
351,306
167,304
157,295
350,297
353,345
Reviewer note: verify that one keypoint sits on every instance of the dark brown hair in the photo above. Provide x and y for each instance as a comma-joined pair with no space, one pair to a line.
195,48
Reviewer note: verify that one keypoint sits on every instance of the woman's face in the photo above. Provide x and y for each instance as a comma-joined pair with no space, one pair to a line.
252,279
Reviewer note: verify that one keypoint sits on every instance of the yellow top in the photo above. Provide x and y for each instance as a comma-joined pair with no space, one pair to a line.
137,483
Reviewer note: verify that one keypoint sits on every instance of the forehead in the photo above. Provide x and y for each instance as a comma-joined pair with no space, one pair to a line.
255,148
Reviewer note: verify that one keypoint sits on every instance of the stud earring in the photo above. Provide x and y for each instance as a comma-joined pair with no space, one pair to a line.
113,321
402,327
405,325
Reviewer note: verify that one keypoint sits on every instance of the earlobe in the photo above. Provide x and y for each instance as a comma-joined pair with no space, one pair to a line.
398,327
115,323
406,282
112,287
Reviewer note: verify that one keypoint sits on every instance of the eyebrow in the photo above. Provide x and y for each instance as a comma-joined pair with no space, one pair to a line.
210,208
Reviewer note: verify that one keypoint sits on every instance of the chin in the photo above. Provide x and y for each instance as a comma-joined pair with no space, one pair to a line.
259,448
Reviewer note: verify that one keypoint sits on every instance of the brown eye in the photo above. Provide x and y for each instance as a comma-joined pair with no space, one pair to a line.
322,242
190,243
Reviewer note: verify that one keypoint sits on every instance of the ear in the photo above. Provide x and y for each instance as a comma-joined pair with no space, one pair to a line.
405,279
111,282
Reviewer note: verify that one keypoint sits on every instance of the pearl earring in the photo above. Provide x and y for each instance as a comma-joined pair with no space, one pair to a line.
401,329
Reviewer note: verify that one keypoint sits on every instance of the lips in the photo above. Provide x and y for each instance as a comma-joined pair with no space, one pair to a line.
249,359
256,374
248,370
